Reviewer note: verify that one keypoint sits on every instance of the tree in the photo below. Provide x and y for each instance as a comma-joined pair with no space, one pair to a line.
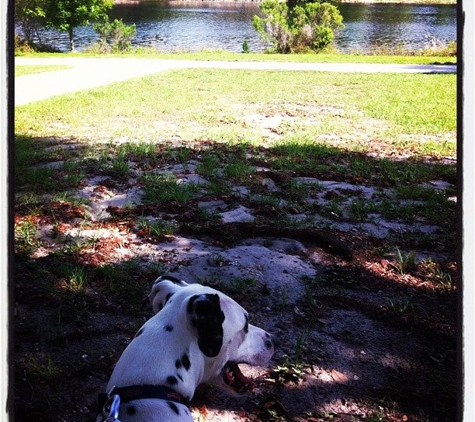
65,15
301,27
30,15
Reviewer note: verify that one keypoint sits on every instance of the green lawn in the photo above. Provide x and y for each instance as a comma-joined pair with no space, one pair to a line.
355,110
29,70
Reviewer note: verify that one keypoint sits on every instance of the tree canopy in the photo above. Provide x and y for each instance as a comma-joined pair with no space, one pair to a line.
63,15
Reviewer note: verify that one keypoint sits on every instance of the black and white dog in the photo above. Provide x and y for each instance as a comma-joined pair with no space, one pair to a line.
197,335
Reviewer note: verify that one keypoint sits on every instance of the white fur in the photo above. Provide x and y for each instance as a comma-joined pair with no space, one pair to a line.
152,355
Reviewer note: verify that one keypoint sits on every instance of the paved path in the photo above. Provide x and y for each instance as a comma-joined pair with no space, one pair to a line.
87,73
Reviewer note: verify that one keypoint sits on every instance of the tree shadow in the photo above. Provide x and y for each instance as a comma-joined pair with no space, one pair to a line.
389,334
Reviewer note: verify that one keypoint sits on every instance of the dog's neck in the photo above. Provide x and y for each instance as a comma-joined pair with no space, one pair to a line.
185,369
137,392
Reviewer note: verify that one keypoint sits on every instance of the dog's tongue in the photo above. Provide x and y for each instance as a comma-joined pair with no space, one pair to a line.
241,383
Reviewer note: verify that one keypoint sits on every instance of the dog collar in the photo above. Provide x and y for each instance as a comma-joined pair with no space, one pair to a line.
138,392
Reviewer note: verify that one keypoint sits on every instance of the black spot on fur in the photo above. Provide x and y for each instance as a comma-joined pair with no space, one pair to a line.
131,410
178,364
169,295
173,407
169,327
172,380
246,325
179,377
185,360
139,332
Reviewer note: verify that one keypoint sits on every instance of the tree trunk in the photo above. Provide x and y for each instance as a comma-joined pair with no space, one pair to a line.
71,38
292,3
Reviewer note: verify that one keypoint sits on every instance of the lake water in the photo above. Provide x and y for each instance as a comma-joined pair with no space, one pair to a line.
194,26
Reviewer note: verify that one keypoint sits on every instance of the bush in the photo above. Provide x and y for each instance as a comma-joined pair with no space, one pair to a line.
24,46
114,36
303,27
245,47
436,47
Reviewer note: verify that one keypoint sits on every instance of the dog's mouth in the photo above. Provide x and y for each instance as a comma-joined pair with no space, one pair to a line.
234,378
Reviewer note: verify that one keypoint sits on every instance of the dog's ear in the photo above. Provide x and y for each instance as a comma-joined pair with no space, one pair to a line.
163,290
207,318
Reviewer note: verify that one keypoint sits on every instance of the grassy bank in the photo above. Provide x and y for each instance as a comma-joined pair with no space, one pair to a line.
383,57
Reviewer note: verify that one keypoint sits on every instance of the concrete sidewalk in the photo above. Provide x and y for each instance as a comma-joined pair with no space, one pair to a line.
85,73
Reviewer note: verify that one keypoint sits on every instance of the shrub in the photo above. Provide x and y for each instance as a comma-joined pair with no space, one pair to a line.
114,36
303,27
245,47
24,46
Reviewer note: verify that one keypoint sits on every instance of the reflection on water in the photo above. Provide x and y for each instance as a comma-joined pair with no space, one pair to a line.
225,26
409,25
192,27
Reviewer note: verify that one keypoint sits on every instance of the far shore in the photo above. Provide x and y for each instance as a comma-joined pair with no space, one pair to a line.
434,2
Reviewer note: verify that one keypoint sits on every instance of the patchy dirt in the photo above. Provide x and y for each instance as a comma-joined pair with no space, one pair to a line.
361,335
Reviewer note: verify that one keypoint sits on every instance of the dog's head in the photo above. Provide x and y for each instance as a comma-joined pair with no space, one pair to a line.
220,327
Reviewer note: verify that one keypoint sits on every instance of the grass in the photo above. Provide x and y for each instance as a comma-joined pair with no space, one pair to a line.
231,123
157,229
242,285
233,105
22,70
27,235
404,261
166,187
425,56
32,172
46,371
76,278
208,107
